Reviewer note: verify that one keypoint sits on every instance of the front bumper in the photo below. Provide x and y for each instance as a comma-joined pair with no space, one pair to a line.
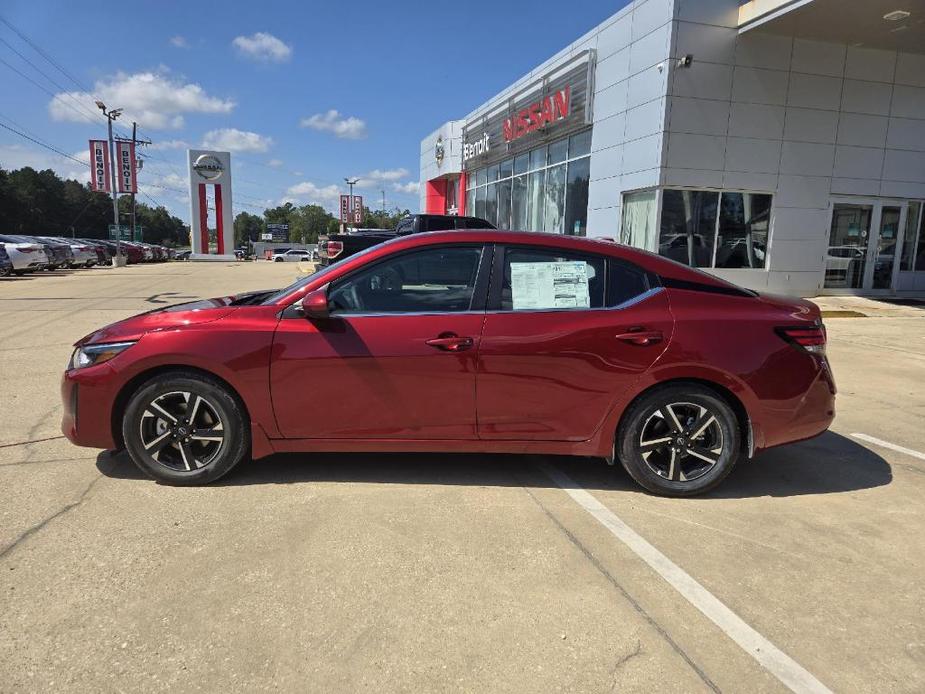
88,397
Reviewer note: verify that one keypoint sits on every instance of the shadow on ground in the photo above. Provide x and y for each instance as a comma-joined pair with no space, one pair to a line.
828,464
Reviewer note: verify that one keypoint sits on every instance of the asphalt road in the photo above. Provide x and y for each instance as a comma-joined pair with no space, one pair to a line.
453,572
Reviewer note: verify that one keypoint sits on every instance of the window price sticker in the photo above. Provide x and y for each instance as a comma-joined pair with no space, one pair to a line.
550,285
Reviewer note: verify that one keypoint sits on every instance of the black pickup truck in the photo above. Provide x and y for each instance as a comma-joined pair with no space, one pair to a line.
339,246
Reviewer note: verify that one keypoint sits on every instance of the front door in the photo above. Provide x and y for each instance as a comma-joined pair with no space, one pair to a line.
864,243
397,357
565,335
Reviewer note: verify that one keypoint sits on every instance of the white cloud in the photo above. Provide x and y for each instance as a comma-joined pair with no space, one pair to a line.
349,127
409,187
298,174
264,47
179,41
306,191
169,144
154,99
275,163
235,140
381,175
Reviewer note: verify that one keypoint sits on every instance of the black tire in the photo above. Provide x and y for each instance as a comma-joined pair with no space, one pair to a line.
675,462
218,413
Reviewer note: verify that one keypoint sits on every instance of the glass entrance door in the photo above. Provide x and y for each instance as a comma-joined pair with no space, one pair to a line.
846,259
885,246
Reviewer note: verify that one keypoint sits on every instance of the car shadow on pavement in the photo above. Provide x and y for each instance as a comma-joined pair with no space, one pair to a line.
828,464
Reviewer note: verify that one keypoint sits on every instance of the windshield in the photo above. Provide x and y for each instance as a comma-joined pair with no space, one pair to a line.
299,283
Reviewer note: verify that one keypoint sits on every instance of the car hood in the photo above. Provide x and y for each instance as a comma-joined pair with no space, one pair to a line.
166,318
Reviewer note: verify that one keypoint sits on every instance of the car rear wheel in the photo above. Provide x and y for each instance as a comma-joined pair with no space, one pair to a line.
679,440
185,429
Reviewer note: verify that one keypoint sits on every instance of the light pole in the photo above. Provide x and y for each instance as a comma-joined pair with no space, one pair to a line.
111,115
351,184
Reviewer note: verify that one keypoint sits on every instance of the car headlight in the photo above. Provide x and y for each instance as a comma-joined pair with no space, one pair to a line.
89,355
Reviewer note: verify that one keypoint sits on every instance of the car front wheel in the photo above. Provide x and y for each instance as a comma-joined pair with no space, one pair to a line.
184,428
679,440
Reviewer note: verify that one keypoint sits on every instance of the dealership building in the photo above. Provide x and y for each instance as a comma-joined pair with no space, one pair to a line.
779,144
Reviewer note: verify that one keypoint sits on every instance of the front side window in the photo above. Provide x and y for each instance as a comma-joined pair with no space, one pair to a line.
434,280
538,279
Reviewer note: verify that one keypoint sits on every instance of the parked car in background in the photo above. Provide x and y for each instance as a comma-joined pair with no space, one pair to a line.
6,265
292,255
183,255
573,346
336,247
103,254
83,254
59,254
26,256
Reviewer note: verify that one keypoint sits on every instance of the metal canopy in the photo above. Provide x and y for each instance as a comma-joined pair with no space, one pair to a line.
853,22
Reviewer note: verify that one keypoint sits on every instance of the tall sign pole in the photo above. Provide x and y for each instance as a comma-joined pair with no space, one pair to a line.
111,115
351,183
134,143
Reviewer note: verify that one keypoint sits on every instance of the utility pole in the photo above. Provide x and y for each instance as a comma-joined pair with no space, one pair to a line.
111,115
352,211
135,143
383,200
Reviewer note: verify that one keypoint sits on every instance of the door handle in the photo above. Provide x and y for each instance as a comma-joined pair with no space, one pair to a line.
450,342
640,337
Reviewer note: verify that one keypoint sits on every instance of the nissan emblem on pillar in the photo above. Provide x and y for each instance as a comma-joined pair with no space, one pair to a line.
210,169
345,209
99,166
439,151
357,209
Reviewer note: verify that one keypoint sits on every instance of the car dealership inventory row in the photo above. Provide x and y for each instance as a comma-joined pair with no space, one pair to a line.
20,254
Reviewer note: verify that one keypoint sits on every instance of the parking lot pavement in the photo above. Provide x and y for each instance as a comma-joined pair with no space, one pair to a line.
452,572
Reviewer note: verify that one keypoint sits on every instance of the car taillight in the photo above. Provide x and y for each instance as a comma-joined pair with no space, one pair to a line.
809,338
334,248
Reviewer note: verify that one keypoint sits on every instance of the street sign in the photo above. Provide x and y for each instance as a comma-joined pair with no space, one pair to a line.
357,209
124,233
266,237
345,209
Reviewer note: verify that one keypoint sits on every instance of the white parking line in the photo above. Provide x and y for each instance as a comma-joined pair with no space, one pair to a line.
790,673
891,446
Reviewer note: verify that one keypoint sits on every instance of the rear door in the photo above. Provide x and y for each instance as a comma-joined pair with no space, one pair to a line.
565,334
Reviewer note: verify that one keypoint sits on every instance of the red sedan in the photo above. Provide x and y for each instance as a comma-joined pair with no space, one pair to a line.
463,341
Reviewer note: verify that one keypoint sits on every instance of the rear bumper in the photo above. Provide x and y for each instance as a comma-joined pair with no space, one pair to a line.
809,416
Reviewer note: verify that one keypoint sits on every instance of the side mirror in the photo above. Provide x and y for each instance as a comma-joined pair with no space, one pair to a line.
315,304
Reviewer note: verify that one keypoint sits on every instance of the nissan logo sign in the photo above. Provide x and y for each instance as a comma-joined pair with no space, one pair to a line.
208,166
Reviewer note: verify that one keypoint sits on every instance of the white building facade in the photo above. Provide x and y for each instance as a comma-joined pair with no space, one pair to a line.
777,143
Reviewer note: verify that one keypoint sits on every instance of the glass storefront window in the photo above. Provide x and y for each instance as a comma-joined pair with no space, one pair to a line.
491,203
535,185
576,197
558,152
909,235
579,145
480,202
688,226
742,235
504,204
638,228
545,189
554,199
920,247
521,164
519,203
452,186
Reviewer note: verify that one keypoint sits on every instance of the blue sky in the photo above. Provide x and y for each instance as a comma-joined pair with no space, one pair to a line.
303,93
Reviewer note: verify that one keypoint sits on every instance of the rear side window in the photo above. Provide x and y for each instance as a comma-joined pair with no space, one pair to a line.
625,282
536,279
438,223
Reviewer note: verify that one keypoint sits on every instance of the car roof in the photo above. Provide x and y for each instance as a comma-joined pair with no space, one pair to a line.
605,246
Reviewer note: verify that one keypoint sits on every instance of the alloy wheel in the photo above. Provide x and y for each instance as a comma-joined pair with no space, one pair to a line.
681,441
181,430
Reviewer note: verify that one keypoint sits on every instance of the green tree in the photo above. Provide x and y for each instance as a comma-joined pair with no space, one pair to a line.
247,227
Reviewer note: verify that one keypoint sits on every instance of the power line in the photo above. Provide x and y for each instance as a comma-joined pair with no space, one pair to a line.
43,144
46,56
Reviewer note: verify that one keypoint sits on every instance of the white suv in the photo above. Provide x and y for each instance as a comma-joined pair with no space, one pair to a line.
292,255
